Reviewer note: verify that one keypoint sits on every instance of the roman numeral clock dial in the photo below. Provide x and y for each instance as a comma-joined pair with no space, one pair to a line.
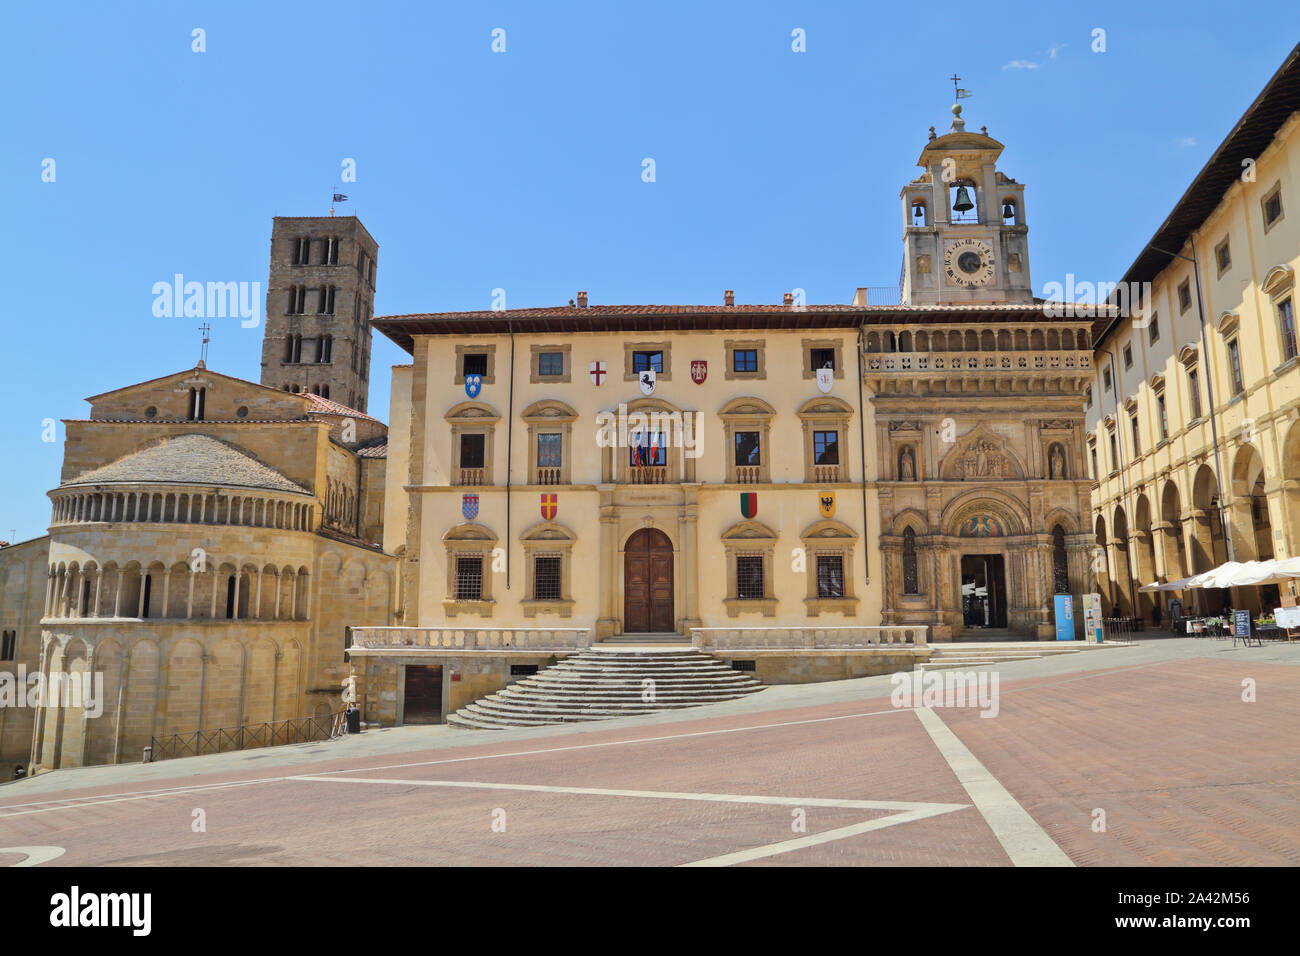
968,263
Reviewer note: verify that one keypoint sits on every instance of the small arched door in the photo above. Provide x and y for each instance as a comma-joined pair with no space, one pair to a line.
648,582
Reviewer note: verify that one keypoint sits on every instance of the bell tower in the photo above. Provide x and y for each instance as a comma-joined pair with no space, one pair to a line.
965,241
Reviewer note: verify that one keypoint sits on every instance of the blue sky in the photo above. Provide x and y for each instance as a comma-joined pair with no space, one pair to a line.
522,170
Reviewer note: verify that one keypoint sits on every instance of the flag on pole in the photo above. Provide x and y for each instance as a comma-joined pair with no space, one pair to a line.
339,197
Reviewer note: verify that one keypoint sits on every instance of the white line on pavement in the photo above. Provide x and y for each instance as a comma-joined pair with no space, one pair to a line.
904,812
1020,835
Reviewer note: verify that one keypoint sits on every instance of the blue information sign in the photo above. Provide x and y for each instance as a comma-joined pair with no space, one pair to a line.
1064,617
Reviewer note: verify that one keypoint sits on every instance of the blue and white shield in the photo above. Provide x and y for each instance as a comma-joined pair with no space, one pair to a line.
473,385
469,506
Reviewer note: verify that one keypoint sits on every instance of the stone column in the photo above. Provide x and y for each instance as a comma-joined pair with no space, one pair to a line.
688,531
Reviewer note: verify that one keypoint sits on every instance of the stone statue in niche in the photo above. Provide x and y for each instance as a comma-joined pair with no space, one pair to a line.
906,467
1056,463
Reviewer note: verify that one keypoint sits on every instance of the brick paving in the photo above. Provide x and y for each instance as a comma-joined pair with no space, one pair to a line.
1186,773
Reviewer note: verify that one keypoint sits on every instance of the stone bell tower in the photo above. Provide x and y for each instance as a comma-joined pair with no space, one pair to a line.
965,241
320,297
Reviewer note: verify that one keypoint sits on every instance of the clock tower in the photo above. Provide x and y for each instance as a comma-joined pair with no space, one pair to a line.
965,241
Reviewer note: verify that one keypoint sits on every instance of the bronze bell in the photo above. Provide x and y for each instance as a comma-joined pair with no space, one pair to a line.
1008,211
963,200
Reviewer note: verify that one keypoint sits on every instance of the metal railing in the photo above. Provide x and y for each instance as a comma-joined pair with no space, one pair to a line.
273,733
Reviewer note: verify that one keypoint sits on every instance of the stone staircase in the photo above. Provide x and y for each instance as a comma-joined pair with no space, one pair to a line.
609,680
970,654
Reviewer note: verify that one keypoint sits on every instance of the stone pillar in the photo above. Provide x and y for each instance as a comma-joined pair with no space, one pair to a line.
688,532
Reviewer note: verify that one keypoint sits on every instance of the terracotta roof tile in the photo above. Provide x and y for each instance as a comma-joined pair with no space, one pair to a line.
189,460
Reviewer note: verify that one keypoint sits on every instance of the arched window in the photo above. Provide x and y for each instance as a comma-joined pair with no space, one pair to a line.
910,583
1060,564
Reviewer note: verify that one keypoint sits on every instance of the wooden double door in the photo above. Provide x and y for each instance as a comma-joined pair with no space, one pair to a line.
648,583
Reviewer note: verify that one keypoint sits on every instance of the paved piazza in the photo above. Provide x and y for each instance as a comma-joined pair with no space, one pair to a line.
1156,736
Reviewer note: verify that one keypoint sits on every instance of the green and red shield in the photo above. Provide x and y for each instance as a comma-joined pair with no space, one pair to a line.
749,503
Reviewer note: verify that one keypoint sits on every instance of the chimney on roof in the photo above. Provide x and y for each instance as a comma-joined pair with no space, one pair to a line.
582,300
789,299
728,297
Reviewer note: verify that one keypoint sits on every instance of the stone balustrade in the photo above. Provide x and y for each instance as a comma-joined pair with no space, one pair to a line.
470,639
946,362
800,638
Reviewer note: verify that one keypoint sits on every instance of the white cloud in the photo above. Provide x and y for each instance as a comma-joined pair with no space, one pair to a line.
1020,65
1187,142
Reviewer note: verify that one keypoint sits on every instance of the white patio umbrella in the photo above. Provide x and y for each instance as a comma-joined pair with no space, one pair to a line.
1220,577
1267,572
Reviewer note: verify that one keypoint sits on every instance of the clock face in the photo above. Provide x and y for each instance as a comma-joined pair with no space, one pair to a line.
968,263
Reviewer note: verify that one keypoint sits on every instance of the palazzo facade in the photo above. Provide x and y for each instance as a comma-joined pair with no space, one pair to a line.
915,462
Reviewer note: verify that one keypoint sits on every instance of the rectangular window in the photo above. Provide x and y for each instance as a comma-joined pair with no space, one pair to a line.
1154,329
1114,453
469,578
647,361
1137,443
550,364
475,363
1184,296
549,450
1194,392
1234,367
1092,453
546,577
830,575
821,358
301,251
744,360
1223,256
1272,205
332,252
1087,397
648,448
1105,379
826,448
1164,417
472,448
1286,326
747,449
1128,356
749,577
8,645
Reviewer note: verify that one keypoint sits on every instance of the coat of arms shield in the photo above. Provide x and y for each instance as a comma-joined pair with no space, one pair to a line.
647,379
699,371
473,385
469,506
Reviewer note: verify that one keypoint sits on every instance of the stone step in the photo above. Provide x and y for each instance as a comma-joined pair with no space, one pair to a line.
604,682
570,702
